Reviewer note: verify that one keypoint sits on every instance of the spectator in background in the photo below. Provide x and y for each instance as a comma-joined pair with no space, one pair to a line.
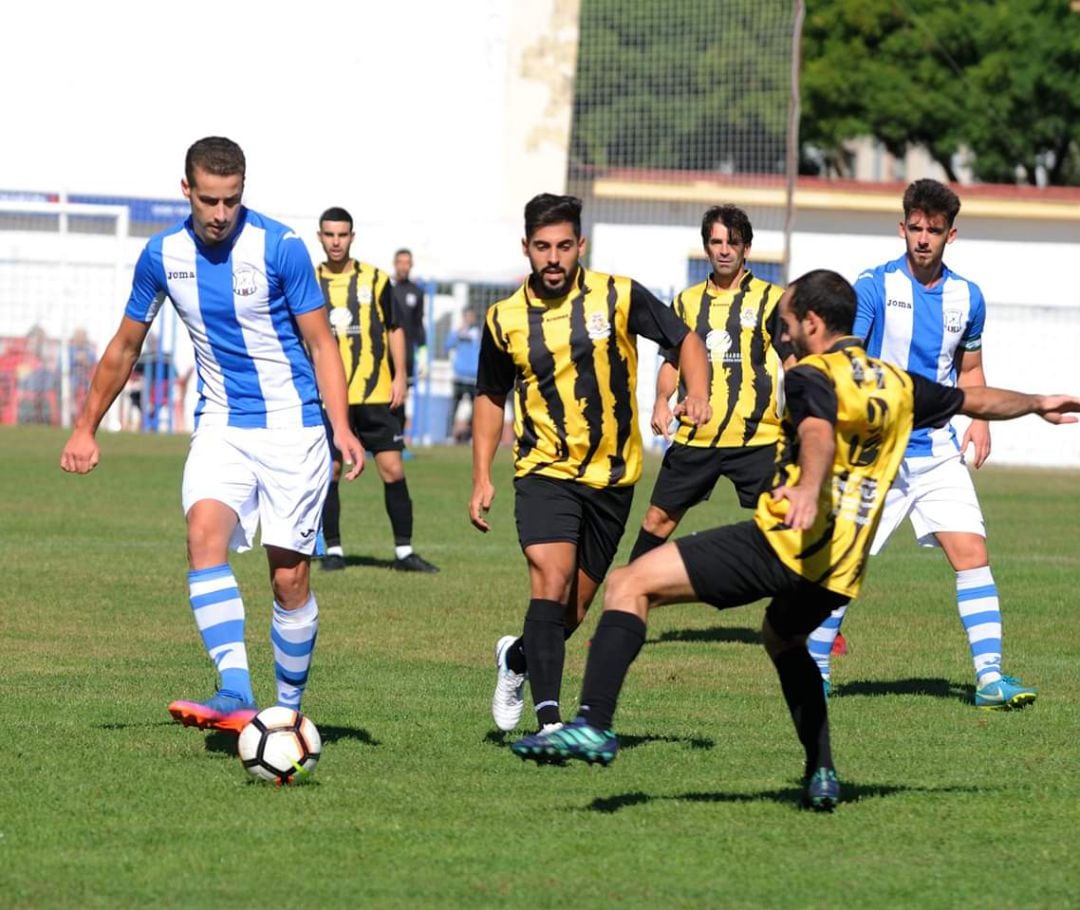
409,300
82,358
463,349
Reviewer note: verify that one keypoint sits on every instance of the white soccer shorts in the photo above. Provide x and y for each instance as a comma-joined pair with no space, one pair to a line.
937,494
273,478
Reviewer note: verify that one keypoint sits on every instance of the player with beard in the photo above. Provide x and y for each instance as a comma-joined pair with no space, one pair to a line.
565,342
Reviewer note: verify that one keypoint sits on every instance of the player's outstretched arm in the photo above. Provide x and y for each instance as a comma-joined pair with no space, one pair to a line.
1004,404
486,431
330,375
81,453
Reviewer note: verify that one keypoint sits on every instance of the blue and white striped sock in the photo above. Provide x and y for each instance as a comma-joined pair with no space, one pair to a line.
820,641
219,616
977,600
292,633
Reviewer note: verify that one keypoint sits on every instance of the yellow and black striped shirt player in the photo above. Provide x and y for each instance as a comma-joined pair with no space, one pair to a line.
565,345
367,325
736,316
846,425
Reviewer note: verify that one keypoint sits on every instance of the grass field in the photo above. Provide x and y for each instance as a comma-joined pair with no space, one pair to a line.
419,803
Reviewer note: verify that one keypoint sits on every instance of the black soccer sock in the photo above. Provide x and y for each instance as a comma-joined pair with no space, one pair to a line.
331,516
644,543
800,680
399,508
515,656
545,654
616,642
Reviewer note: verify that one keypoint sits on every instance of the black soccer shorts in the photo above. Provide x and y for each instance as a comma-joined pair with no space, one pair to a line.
734,565
548,510
689,473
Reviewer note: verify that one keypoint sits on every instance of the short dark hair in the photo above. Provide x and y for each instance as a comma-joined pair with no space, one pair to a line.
404,251
733,218
215,155
931,197
547,209
828,294
336,213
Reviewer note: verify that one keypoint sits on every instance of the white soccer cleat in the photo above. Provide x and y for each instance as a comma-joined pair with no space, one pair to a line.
508,700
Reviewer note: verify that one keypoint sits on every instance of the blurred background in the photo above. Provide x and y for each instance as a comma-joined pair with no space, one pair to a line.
434,124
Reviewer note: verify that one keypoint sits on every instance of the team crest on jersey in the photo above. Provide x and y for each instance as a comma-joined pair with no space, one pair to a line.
243,282
748,318
597,327
410,299
340,317
717,343
954,321
363,295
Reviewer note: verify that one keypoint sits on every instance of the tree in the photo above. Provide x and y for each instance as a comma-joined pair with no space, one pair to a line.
691,85
997,77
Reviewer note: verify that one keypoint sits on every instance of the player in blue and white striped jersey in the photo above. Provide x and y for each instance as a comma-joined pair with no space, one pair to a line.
917,313
245,288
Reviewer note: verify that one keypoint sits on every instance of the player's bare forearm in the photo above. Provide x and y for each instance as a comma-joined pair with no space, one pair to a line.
486,432
971,376
111,373
694,369
329,372
397,358
667,379
81,453
817,448
1004,404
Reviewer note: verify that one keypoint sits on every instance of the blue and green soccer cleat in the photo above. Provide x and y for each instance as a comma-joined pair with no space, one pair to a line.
822,790
575,740
1004,694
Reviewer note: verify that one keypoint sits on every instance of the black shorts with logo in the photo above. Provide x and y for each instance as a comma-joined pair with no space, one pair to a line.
734,565
378,428
689,473
548,510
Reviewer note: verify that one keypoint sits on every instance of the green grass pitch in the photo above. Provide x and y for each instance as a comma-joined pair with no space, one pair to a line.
418,802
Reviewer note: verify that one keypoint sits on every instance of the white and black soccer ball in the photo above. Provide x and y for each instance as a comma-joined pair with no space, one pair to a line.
280,745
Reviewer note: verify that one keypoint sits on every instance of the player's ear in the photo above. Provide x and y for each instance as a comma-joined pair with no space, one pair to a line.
185,188
581,246
525,245
951,236
903,229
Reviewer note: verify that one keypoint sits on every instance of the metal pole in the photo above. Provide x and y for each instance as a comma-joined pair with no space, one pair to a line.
792,158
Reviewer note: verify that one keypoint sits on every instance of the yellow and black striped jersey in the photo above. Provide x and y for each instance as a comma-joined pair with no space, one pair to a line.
873,407
361,308
572,362
741,328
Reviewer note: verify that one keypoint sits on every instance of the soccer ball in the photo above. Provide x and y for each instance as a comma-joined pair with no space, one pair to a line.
279,745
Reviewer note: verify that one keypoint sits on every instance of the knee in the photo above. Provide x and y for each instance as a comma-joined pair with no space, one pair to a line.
290,586
776,644
659,523
623,584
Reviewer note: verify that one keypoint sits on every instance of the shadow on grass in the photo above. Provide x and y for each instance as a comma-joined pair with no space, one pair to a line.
503,740
370,562
716,633
933,687
792,796
225,743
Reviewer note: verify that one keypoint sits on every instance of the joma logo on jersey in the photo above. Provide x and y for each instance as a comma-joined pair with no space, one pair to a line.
174,276
903,304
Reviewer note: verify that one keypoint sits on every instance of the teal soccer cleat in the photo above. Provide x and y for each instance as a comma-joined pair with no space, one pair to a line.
1004,694
822,791
574,740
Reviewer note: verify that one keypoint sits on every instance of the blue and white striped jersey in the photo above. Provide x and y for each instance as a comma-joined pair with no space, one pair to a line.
238,300
920,330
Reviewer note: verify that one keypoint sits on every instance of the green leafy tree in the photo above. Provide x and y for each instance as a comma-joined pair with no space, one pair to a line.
693,85
996,77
